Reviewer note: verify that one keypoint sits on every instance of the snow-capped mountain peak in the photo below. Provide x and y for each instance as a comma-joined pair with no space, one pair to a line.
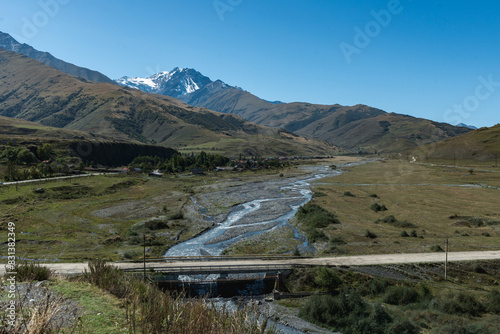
176,83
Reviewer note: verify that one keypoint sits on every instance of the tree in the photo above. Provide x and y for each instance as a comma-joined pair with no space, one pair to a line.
11,173
45,152
25,156
10,154
35,172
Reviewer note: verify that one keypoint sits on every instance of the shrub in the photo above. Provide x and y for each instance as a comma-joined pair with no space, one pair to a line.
313,215
459,303
370,234
347,313
391,220
337,241
314,235
377,207
479,269
150,310
436,248
404,234
373,195
176,216
336,250
401,295
319,194
457,328
156,224
404,327
327,278
378,286
348,194
30,271
493,302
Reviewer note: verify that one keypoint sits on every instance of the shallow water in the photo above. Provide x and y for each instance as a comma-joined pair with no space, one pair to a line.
295,194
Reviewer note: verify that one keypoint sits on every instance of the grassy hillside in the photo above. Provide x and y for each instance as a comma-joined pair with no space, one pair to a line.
481,145
39,93
355,128
383,133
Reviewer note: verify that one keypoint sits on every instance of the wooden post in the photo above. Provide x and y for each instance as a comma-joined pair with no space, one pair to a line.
446,262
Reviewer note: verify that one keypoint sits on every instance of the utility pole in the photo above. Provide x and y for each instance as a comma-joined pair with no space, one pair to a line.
144,257
446,262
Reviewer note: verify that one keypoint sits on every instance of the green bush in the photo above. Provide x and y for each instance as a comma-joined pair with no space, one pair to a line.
436,248
370,234
377,207
156,224
404,327
347,313
404,234
313,215
176,216
391,220
315,235
457,328
348,194
401,295
459,303
479,269
327,278
337,241
378,286
492,303
30,271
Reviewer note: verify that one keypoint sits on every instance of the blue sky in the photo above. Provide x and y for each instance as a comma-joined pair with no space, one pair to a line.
433,59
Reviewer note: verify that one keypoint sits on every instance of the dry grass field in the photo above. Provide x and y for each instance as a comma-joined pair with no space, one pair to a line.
430,203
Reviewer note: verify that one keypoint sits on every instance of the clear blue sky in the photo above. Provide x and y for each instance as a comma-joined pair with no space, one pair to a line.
432,59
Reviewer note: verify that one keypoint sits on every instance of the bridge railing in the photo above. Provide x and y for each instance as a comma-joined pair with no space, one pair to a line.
216,258
245,268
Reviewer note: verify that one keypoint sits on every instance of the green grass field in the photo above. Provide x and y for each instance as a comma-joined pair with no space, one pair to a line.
92,217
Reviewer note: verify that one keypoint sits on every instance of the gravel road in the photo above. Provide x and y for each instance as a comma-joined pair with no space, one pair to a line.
359,260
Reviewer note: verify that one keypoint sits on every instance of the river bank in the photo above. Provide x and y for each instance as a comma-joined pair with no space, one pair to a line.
235,209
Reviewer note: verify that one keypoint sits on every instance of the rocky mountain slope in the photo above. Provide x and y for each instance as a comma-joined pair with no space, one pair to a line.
10,44
358,128
39,93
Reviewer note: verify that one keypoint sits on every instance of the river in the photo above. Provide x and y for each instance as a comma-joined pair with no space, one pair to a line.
269,205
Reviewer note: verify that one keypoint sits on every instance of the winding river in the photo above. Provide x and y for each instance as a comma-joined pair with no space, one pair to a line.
270,204
257,215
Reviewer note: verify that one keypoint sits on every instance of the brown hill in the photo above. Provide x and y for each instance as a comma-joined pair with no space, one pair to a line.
480,145
39,93
355,128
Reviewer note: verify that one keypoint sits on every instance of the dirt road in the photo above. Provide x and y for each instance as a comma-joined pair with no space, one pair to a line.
360,260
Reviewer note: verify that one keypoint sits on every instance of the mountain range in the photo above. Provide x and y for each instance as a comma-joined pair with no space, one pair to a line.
39,93
203,114
358,128
10,44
